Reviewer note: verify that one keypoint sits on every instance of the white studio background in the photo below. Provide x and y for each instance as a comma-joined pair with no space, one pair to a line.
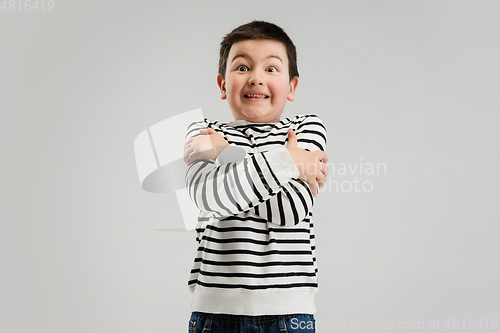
410,85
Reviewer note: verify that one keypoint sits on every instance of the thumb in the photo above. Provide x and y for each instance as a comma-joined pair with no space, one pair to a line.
292,138
211,131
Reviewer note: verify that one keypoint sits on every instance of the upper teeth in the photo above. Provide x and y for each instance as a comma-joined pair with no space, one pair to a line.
258,96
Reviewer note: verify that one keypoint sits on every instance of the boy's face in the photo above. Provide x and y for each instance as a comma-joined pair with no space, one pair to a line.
257,67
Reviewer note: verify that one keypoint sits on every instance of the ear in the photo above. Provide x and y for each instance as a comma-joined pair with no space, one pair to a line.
292,87
222,86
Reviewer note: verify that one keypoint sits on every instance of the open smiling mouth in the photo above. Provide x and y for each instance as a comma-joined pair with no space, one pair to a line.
255,96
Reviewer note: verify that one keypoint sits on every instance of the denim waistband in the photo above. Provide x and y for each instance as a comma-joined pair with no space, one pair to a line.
234,319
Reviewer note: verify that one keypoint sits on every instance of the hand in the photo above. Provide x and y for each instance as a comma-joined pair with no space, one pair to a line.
205,146
311,164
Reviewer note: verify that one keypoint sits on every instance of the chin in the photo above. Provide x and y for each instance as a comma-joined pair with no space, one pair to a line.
258,119
256,114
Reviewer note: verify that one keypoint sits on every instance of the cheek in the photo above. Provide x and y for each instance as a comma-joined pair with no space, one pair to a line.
234,85
279,89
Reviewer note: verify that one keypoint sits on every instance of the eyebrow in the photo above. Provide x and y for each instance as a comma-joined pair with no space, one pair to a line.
243,55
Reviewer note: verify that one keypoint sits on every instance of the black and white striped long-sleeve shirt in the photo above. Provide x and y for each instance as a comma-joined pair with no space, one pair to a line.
256,253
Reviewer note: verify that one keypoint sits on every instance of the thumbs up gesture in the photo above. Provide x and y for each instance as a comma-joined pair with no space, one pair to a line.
205,146
311,164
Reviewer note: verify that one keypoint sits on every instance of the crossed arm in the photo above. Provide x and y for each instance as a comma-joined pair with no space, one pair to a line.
274,185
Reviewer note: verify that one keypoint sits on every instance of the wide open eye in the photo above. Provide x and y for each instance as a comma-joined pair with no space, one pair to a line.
242,68
271,69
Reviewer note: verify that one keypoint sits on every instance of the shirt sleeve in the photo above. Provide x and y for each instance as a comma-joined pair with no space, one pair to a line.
295,200
236,187
287,207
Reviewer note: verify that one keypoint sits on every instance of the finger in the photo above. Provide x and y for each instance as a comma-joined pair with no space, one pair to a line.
325,158
188,141
314,189
204,131
187,155
292,138
191,159
321,180
324,169
321,155
188,151
187,160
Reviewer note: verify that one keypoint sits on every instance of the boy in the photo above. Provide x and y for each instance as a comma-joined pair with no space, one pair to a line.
255,268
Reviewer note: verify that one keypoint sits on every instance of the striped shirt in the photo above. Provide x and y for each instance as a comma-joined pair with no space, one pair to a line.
255,231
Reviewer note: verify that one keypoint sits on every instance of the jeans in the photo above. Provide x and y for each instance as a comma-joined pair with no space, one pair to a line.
224,323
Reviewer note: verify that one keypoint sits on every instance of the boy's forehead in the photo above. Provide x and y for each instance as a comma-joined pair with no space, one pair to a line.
254,48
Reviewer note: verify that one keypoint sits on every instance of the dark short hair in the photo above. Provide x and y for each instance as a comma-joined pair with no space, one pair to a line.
258,30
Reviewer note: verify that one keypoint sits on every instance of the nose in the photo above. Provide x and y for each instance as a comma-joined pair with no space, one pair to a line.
255,79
